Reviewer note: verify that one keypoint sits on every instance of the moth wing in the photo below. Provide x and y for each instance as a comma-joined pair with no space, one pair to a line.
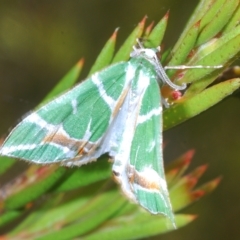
70,127
138,160
146,170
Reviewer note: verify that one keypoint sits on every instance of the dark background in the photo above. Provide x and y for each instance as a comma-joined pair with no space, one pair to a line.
41,40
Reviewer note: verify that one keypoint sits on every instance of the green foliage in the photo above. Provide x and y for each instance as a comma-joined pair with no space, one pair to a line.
85,202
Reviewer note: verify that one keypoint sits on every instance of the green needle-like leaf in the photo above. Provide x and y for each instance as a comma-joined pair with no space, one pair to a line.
85,175
154,39
9,216
143,226
179,55
189,108
106,55
6,163
177,168
89,222
233,22
35,189
218,21
124,52
66,82
204,9
217,52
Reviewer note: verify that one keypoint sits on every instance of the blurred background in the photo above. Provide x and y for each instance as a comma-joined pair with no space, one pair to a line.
41,40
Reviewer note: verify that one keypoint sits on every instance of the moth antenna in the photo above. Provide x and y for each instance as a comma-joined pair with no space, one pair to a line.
192,67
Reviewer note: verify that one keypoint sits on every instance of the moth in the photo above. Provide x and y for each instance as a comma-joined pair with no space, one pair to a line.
116,111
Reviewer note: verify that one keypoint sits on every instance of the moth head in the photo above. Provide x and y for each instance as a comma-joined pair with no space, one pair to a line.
148,53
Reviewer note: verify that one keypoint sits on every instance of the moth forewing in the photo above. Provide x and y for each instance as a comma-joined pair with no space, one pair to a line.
146,152
124,133
138,164
67,128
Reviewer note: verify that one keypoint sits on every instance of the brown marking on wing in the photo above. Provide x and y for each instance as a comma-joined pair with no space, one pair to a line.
143,180
120,102
80,146
87,148
63,140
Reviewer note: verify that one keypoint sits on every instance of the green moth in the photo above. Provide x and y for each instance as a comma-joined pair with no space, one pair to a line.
116,111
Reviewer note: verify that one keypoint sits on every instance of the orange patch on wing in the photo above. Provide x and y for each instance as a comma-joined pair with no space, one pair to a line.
79,146
82,147
143,180
60,139
86,148
120,102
